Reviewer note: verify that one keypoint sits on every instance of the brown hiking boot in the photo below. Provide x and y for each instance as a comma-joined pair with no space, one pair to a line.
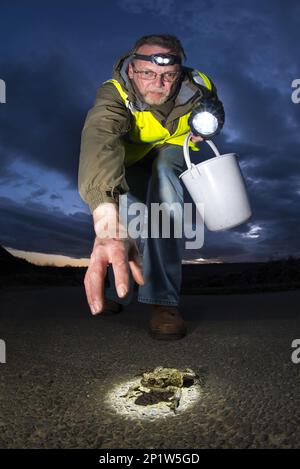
166,323
111,307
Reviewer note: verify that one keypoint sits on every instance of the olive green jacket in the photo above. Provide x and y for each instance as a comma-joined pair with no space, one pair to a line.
101,176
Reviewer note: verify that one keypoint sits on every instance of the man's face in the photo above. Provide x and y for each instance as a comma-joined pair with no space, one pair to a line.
154,91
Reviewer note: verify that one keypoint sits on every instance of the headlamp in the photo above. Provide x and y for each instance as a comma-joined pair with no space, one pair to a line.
159,59
207,119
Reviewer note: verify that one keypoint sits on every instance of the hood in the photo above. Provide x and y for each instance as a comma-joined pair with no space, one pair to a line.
187,92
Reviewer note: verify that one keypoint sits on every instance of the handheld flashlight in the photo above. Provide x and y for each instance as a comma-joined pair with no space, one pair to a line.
207,119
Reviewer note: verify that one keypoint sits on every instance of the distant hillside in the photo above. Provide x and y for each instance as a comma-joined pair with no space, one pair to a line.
19,272
198,279
9,263
283,274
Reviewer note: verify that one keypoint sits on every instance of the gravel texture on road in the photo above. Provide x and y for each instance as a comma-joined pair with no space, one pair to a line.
63,364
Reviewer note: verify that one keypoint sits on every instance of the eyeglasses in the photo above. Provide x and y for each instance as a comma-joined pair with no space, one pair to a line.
150,75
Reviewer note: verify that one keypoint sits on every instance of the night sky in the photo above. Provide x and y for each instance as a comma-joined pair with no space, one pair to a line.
55,54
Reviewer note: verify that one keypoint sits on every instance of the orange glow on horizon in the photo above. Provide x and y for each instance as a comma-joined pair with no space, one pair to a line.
39,258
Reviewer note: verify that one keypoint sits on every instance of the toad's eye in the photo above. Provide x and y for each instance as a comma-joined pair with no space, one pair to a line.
152,381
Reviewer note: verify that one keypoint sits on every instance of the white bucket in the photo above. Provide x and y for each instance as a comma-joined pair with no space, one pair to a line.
219,185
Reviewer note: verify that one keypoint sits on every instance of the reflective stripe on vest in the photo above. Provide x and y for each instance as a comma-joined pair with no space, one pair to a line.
147,132
202,79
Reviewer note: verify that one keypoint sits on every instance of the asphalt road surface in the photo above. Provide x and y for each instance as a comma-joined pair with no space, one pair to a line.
62,365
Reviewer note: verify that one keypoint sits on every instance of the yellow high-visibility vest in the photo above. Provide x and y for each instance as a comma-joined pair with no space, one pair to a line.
147,132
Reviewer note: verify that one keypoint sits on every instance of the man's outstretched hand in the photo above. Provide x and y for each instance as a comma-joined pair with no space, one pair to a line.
121,252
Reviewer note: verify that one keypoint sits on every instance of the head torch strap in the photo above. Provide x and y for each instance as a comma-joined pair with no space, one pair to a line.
159,59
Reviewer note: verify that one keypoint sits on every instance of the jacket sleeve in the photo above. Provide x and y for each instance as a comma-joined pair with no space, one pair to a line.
101,175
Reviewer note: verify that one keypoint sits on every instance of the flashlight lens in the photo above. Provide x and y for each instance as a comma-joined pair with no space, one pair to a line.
205,123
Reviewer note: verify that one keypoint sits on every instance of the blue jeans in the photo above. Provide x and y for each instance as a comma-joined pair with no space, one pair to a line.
154,179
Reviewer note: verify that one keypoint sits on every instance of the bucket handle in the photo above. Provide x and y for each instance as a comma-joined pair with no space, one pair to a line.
186,151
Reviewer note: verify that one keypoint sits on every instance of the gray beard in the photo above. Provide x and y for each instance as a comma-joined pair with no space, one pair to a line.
149,100
156,102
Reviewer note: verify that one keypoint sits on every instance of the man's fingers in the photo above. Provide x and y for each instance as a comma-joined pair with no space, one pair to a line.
136,271
94,281
88,291
119,262
97,278
135,264
196,138
124,257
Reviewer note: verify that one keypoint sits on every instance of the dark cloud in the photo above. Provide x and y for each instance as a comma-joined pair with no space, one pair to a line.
37,228
38,193
248,48
44,114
